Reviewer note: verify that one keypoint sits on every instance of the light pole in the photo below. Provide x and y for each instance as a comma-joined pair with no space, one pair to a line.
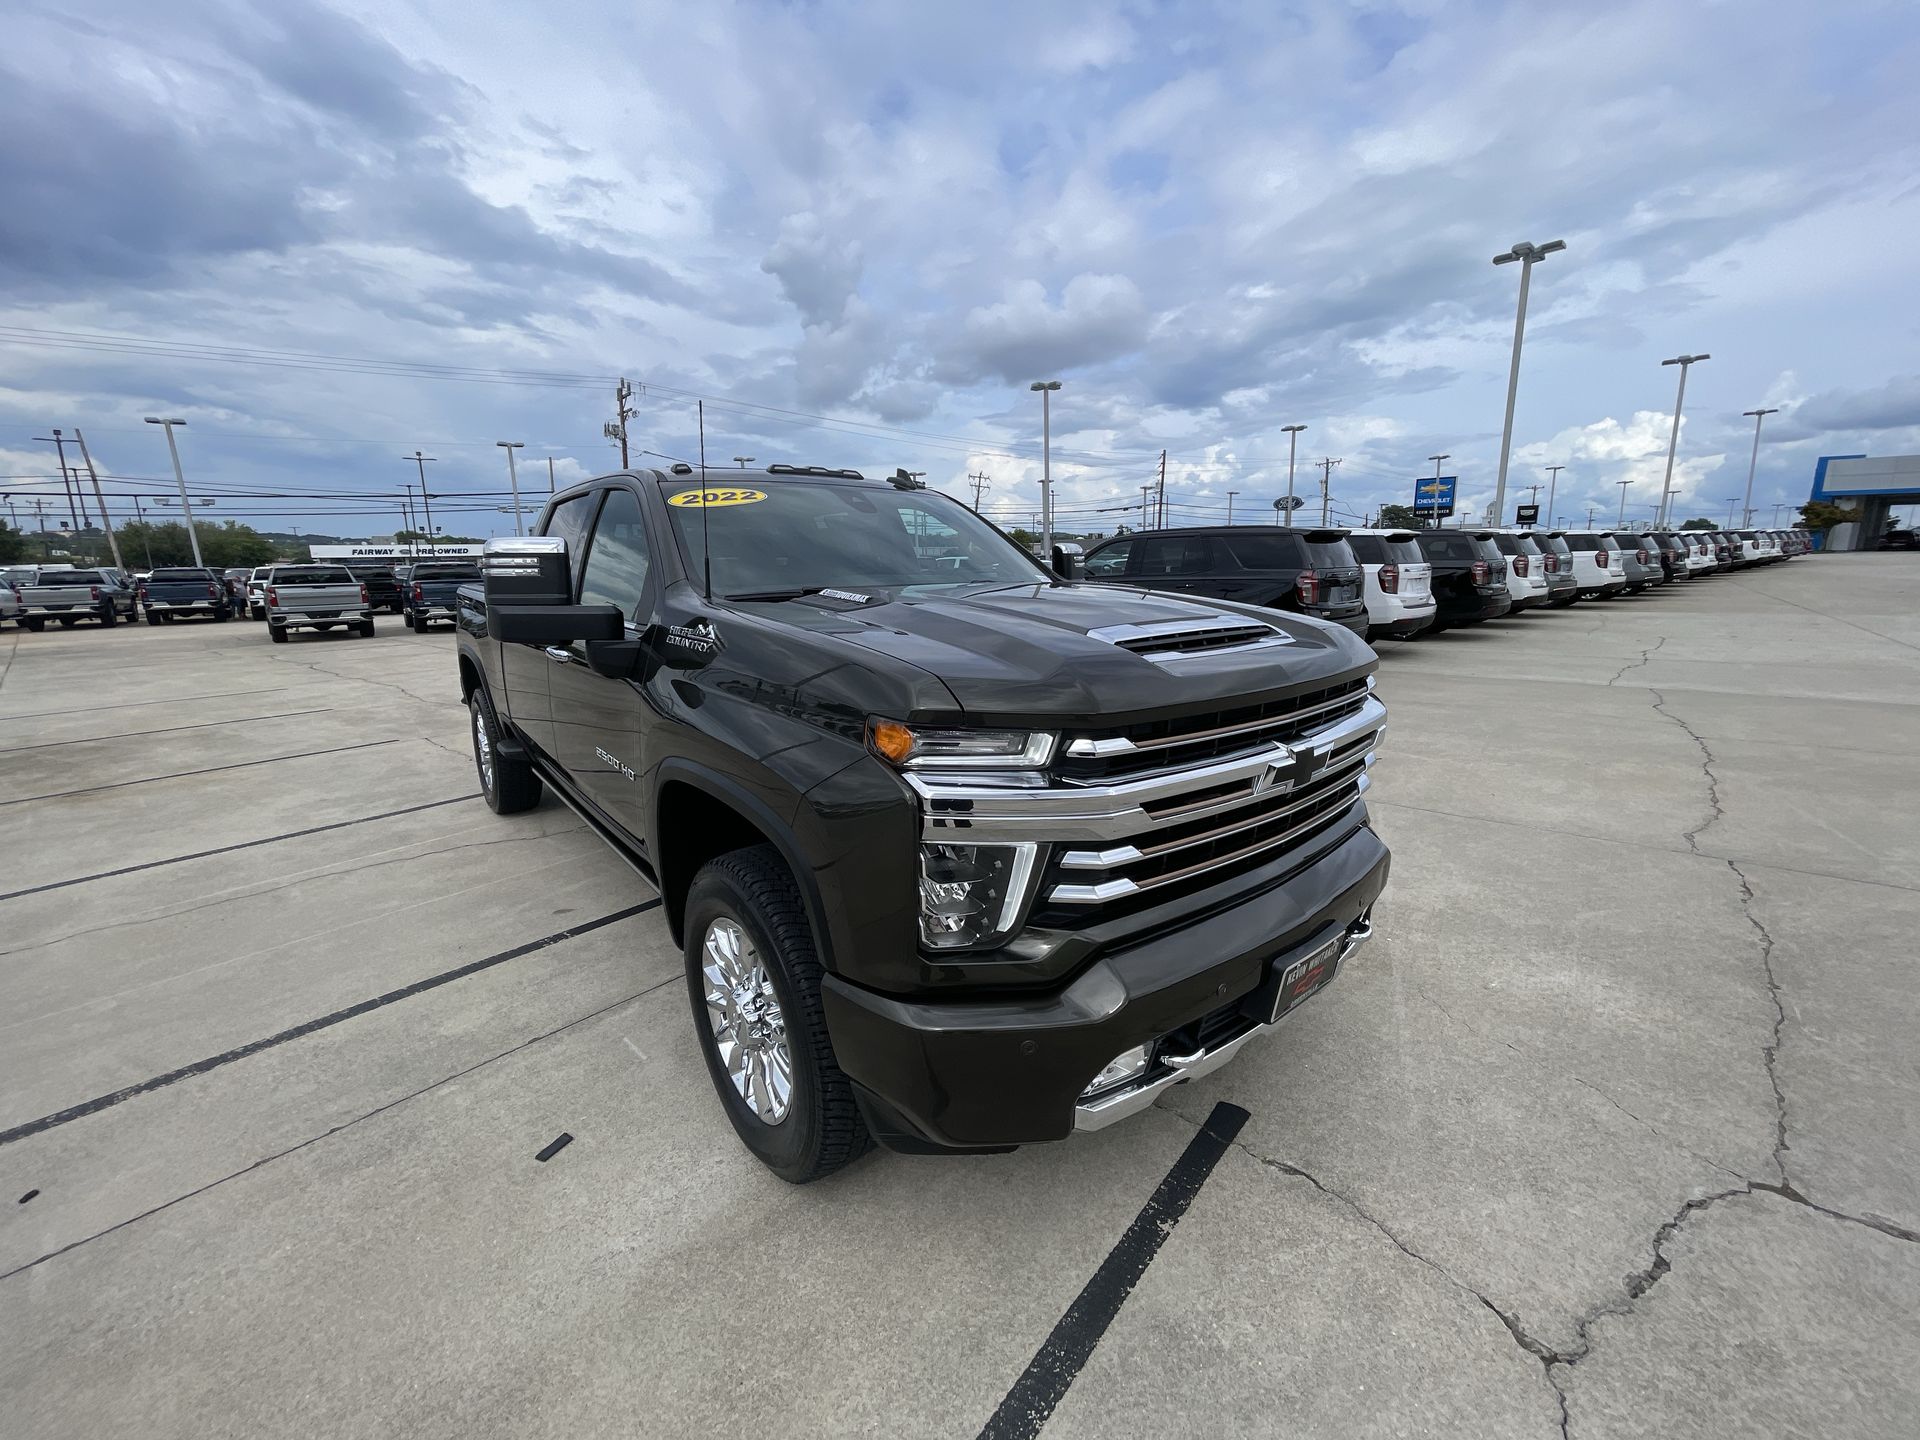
1623,484
1753,464
513,478
1528,255
1046,389
1230,495
99,495
741,460
426,500
1434,516
1685,362
1553,483
1292,433
181,480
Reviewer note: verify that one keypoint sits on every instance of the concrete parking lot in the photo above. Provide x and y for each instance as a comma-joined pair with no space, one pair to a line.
1614,1130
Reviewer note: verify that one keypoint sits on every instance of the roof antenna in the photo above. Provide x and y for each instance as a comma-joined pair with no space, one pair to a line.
706,546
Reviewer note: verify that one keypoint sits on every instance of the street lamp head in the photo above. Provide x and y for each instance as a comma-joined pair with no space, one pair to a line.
1527,250
1686,359
156,420
1447,456
1044,385
1774,410
512,444
1291,429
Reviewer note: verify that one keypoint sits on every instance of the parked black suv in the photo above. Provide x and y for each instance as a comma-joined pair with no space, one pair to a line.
1310,572
960,856
1469,575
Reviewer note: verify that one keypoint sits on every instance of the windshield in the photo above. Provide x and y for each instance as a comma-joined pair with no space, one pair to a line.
1330,555
1488,551
795,537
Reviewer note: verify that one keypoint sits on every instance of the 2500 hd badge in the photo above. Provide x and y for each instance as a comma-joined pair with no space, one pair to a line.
989,858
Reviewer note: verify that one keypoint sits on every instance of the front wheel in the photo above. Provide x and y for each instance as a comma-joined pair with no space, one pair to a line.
754,980
508,784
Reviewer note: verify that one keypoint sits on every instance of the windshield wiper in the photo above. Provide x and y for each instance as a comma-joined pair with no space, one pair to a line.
798,594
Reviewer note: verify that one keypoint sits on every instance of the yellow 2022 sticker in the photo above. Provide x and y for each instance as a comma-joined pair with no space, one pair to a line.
712,499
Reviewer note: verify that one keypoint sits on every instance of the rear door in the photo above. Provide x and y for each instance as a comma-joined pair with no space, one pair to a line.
599,723
1180,563
523,668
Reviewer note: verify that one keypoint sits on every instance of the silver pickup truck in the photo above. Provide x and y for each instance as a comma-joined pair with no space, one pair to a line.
315,597
71,596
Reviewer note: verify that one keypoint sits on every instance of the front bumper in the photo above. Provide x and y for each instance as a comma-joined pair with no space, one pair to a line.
989,1074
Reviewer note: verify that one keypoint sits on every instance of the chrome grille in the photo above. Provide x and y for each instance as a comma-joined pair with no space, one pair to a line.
1162,745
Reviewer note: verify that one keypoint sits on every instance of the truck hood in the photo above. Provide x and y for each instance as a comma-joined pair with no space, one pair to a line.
1017,654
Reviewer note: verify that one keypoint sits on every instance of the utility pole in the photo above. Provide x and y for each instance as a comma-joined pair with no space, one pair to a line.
100,495
1046,389
1326,494
66,480
981,484
616,429
1623,484
1533,497
426,500
1553,483
513,479
1160,498
1685,362
180,479
550,474
1292,433
1528,255
1230,495
1590,510
1752,464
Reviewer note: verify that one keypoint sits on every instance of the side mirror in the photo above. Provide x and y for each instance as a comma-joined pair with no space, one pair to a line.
529,586
1069,562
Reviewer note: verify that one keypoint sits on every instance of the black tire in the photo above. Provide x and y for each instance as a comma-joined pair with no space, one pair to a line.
407,619
365,628
35,623
822,1129
68,621
222,614
511,785
276,633
152,619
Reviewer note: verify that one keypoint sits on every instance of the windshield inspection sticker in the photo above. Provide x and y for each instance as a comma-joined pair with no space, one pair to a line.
713,499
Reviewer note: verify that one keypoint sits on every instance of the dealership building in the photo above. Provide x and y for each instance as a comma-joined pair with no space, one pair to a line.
1871,484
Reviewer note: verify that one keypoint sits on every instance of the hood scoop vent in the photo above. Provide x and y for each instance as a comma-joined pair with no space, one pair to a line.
1170,640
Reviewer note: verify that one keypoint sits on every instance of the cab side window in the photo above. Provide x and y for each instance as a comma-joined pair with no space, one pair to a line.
569,521
1109,562
618,561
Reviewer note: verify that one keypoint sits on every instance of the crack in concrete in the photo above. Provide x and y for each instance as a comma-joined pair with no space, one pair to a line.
1646,655
1635,1286
317,668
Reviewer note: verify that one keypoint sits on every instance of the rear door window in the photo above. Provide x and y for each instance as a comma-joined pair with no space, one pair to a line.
1176,555
1255,551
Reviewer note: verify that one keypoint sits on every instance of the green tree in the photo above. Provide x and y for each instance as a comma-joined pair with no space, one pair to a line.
13,545
225,546
1698,523
1823,515
1398,517
1024,537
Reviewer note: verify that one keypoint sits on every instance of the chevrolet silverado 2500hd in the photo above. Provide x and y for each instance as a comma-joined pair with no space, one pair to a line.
960,856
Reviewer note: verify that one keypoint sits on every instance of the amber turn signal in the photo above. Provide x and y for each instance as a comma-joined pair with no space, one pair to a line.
890,739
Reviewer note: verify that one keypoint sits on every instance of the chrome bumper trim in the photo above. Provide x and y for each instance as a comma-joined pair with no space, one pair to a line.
1105,1110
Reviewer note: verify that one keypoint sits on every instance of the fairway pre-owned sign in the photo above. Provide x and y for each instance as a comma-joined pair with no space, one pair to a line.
392,552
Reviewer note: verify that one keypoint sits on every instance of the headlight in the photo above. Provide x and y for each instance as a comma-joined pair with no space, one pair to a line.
971,894
915,747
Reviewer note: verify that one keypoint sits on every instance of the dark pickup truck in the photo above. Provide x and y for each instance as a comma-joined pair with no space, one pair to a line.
382,587
432,591
171,594
960,856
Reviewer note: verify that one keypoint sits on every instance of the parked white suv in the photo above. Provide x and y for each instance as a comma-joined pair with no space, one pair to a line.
1598,566
1526,570
1398,585
1700,559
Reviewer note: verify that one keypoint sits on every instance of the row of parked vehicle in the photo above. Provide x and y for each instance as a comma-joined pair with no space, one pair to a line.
1402,583
287,597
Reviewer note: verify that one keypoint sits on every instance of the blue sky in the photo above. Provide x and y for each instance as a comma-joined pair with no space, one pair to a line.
1208,220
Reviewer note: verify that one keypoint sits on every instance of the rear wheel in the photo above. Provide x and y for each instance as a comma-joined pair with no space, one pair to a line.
276,633
365,628
754,981
508,784
109,615
152,619
35,623
68,621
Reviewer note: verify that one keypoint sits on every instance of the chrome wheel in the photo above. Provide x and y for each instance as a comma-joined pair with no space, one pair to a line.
482,746
749,1032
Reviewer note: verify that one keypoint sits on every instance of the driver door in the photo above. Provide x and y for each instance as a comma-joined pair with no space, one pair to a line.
599,724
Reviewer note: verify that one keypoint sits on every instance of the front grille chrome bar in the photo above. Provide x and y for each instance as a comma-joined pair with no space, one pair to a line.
1121,745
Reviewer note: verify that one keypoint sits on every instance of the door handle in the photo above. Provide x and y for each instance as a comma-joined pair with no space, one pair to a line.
560,653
